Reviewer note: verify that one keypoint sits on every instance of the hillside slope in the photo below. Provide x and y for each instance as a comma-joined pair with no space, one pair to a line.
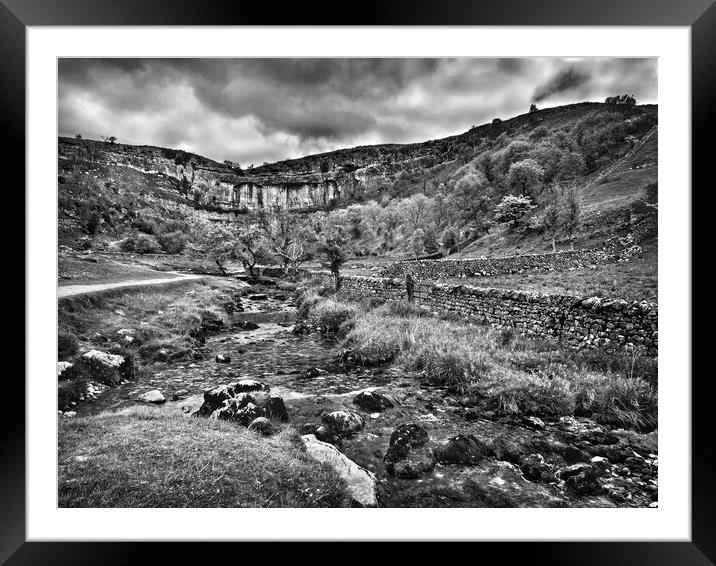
608,152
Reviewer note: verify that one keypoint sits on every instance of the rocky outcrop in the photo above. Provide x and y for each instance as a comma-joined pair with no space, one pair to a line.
242,402
101,367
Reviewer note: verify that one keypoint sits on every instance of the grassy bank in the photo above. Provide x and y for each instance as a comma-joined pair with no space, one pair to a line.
145,325
500,371
143,459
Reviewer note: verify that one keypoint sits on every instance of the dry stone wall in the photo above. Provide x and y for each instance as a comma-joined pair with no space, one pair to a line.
577,322
615,249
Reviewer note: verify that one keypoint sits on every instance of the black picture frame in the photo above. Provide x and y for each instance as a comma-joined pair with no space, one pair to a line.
699,15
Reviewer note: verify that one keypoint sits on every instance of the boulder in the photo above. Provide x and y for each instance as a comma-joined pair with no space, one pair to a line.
462,449
372,402
241,409
180,394
409,455
535,469
258,297
311,373
214,398
325,434
583,483
343,423
226,403
154,396
246,325
533,422
262,425
277,408
223,359
62,366
103,367
360,483
248,385
574,470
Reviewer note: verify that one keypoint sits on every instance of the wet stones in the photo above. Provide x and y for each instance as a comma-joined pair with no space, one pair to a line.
580,479
180,394
245,407
214,398
258,297
248,385
535,469
572,455
409,455
462,449
242,402
246,325
343,423
372,402
533,422
311,373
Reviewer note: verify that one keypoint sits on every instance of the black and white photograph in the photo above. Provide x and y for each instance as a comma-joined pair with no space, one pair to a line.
357,282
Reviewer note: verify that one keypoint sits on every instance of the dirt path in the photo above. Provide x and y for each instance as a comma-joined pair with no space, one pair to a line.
72,290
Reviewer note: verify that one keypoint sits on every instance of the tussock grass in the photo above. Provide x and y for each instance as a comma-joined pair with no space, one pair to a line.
141,458
506,372
333,315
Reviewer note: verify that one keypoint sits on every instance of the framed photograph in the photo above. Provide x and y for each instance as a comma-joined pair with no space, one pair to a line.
398,278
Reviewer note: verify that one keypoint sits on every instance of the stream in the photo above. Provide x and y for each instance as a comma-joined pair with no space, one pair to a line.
273,355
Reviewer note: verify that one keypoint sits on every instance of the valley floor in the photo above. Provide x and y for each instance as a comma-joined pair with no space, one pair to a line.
312,377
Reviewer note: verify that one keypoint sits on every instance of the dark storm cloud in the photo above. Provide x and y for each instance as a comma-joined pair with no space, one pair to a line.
255,110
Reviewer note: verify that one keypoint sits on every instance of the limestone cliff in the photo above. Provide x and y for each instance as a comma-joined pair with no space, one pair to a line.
209,183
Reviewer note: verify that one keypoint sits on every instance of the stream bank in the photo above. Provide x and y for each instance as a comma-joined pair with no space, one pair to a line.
509,462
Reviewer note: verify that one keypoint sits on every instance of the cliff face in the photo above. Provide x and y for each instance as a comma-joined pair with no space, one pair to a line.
208,182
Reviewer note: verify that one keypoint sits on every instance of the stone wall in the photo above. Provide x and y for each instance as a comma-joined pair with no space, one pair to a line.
615,249
576,322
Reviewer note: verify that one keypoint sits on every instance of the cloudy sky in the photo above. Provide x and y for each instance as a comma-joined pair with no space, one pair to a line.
257,110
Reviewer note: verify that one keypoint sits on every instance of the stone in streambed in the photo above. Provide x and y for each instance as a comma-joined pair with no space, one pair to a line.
372,402
409,455
462,449
360,483
343,423
154,396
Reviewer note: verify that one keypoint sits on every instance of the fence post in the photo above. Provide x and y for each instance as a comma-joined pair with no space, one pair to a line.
410,287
